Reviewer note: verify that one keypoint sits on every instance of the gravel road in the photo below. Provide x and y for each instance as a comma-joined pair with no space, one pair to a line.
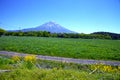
62,59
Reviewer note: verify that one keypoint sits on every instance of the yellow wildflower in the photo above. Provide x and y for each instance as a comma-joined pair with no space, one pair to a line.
107,68
102,67
30,58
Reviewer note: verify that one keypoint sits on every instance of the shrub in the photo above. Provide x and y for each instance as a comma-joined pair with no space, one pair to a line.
2,31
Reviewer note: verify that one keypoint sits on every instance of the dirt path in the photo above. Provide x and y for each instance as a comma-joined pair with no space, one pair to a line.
62,59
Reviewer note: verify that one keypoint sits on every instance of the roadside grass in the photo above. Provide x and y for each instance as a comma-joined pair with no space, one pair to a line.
53,74
28,68
74,48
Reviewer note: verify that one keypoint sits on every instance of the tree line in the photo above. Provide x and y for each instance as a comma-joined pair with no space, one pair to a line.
112,35
96,35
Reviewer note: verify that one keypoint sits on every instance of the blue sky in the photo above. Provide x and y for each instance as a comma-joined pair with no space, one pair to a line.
83,16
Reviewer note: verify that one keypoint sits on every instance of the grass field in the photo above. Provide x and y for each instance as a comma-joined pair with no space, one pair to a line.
74,48
23,68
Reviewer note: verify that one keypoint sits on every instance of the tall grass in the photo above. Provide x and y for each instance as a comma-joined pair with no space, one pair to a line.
53,74
20,71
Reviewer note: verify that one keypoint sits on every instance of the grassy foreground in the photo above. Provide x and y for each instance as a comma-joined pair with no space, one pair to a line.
28,68
74,48
53,74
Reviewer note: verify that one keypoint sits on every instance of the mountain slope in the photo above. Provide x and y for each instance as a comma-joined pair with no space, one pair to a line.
50,27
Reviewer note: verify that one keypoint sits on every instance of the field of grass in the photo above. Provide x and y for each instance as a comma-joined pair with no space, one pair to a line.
63,47
27,68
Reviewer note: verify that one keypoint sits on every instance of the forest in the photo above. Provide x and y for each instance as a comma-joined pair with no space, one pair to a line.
95,35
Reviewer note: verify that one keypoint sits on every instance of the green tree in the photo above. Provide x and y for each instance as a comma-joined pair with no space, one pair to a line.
53,35
2,31
46,34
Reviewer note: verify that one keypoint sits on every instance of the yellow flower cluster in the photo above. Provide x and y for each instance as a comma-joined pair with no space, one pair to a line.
30,58
16,58
102,67
107,68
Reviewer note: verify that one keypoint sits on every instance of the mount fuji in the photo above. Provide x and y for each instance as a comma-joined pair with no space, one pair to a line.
51,27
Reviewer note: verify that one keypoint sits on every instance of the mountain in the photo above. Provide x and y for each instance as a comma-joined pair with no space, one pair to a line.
50,27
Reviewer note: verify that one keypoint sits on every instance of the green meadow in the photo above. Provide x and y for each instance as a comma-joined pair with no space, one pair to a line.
99,49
